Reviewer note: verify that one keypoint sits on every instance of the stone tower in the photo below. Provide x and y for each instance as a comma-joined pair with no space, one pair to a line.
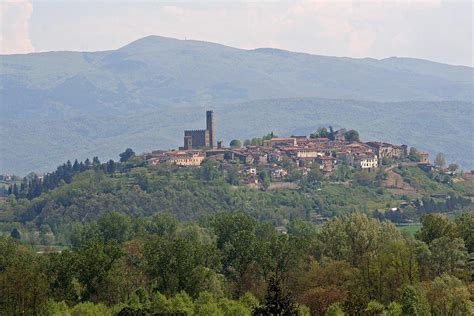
210,127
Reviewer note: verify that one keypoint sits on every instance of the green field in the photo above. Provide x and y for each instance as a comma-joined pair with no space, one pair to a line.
411,228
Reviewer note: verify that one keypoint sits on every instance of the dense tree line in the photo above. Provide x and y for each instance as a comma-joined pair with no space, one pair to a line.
32,186
231,264
424,206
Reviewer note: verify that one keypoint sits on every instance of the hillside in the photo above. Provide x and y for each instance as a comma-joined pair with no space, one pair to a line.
58,105
131,238
83,193
43,143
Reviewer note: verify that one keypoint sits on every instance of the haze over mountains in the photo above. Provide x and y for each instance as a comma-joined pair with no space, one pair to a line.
64,105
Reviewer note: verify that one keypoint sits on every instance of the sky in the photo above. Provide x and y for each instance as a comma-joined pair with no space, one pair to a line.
430,29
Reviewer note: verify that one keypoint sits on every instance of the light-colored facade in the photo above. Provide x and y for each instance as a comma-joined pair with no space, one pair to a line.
424,157
186,158
308,153
367,162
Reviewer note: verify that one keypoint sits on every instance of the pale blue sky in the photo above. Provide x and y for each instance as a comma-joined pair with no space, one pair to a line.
431,29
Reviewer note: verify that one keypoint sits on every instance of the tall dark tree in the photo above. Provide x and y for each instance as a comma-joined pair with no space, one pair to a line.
331,133
87,163
15,234
110,168
277,300
23,188
15,190
126,155
76,167
69,166
95,161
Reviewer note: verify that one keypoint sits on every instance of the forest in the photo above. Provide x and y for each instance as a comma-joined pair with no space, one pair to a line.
231,264
124,238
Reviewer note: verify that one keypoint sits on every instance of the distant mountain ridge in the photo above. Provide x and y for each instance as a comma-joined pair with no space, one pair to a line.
167,77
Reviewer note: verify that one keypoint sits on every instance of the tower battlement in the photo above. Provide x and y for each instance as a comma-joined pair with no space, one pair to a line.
194,131
201,138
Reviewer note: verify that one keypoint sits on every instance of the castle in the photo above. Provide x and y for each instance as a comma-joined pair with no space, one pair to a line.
204,138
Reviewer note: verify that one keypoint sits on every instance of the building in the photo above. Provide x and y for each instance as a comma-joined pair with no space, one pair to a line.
340,134
400,151
279,173
280,141
250,171
204,138
326,163
387,150
366,161
358,149
424,157
183,158
308,153
186,158
210,127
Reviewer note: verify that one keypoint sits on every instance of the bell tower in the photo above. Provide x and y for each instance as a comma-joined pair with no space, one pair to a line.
210,127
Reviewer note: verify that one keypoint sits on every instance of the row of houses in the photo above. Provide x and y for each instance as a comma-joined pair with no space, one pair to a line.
299,150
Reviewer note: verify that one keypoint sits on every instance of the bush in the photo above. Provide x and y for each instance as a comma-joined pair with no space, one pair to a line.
334,310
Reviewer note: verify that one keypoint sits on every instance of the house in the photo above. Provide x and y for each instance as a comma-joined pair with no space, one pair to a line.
386,150
469,175
424,157
319,141
441,196
400,151
305,171
345,156
155,161
301,140
427,167
307,153
180,157
244,156
358,148
250,171
366,161
279,173
274,156
260,158
186,158
340,134
326,163
280,141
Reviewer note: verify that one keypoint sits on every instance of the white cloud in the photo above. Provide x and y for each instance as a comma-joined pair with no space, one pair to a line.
14,33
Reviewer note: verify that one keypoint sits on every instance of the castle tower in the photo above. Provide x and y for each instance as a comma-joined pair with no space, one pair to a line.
210,127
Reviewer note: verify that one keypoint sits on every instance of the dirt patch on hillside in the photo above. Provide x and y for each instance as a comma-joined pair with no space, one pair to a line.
283,186
396,185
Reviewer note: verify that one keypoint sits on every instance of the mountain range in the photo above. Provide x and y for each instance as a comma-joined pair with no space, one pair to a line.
64,105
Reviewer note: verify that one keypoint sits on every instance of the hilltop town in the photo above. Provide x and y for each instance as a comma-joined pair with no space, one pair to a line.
204,209
326,149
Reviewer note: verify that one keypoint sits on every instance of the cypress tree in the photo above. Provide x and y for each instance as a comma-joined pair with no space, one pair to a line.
15,234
